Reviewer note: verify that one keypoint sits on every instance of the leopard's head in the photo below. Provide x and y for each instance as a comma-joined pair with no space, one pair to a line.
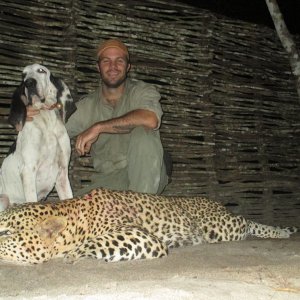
28,233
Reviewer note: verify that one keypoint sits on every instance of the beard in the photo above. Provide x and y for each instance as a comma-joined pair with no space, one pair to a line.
113,84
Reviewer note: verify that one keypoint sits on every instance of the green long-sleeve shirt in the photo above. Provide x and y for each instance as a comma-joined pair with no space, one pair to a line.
109,152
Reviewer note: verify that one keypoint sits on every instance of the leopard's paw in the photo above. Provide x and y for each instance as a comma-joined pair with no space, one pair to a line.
71,258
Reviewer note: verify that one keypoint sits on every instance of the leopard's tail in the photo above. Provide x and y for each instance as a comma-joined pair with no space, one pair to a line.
265,231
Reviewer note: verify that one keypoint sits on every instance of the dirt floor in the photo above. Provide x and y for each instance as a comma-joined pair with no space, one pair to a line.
252,269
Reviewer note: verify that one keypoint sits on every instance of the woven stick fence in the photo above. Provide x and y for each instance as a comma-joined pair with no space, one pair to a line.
231,114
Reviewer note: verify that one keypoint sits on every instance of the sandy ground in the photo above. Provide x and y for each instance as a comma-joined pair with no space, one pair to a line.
252,269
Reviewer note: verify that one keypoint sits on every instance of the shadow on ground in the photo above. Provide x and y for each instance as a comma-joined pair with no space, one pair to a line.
251,269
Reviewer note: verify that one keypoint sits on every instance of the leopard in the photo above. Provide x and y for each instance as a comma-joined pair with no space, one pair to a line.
118,226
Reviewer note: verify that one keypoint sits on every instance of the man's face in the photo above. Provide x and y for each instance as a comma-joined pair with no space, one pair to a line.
113,67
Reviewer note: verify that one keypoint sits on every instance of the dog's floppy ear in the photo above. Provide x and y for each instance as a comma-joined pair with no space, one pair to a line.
64,97
18,112
67,102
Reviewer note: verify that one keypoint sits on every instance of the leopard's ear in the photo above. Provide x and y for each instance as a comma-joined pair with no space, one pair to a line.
50,228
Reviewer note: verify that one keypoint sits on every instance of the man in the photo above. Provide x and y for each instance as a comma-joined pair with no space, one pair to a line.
118,124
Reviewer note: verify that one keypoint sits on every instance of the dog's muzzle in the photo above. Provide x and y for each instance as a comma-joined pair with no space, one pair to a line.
31,91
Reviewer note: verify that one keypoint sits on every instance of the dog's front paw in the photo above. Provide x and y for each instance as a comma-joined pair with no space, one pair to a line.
4,202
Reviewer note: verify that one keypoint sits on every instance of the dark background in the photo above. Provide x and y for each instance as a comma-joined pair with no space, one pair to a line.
255,11
231,119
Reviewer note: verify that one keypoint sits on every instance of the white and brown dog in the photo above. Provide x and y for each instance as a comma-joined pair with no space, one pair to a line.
40,157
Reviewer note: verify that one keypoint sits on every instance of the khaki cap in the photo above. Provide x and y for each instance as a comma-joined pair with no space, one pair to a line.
112,43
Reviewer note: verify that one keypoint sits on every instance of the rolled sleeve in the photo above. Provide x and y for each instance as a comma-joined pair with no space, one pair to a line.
146,96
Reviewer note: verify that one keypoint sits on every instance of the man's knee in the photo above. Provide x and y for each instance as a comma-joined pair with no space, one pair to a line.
140,134
145,149
145,140
146,169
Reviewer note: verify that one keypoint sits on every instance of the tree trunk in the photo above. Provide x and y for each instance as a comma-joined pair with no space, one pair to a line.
286,40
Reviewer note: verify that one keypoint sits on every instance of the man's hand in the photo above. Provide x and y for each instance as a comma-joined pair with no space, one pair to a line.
31,112
85,140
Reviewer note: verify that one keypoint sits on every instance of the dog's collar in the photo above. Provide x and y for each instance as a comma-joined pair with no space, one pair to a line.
57,105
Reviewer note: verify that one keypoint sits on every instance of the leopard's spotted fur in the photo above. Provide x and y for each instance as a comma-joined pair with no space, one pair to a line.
116,226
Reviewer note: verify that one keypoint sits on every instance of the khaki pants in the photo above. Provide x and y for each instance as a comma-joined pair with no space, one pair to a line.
145,171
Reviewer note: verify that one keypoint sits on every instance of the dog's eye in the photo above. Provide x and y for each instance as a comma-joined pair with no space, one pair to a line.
40,70
5,232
